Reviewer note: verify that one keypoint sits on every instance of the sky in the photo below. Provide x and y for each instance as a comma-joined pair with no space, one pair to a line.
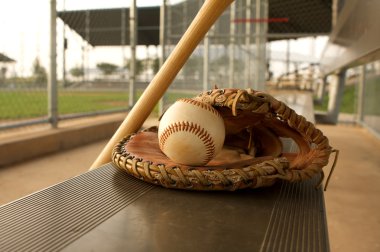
24,26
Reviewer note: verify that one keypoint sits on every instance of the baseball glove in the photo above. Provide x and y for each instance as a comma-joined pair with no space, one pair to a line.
253,154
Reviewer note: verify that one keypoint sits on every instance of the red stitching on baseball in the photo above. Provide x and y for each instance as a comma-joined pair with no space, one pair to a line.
193,128
202,105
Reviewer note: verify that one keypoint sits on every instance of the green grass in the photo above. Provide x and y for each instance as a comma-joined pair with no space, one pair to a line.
349,101
371,101
18,104
81,102
22,104
31,104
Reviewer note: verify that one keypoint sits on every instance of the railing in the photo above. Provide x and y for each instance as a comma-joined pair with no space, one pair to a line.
354,43
305,78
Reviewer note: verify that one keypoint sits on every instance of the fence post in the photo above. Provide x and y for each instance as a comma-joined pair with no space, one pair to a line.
206,63
362,77
231,53
321,90
163,34
247,70
336,88
64,49
52,81
261,13
336,95
123,34
133,42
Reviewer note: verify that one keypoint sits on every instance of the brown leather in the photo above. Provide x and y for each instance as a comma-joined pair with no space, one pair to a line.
254,110
252,156
144,146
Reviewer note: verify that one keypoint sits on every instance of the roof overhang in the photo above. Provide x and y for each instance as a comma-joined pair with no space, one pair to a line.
110,27
5,59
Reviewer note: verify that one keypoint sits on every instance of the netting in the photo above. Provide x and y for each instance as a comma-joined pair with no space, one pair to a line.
94,56
23,74
231,55
371,110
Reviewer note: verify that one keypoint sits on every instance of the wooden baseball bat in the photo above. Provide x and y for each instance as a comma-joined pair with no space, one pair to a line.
206,17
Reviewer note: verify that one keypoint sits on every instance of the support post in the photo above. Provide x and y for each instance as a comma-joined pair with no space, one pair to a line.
260,42
247,71
336,95
64,59
52,82
64,49
133,40
321,91
232,46
335,99
83,60
287,59
206,57
146,63
85,47
361,93
123,41
163,34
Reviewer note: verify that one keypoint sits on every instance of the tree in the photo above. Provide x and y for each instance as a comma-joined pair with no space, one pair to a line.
221,65
139,66
107,68
156,65
193,66
39,72
77,72
3,73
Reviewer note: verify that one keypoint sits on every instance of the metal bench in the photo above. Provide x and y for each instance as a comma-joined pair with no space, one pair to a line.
108,210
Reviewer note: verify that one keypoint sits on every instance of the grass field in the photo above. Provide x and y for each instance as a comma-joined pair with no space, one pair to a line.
26,104
349,101
19,104
22,104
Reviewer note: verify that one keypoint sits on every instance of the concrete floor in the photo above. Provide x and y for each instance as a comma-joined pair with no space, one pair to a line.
352,198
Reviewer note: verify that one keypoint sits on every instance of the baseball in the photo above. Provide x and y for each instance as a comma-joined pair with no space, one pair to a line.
191,132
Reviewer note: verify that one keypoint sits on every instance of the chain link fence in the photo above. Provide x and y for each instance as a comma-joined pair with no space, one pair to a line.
23,74
94,58
359,104
87,83
371,109
93,77
233,51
